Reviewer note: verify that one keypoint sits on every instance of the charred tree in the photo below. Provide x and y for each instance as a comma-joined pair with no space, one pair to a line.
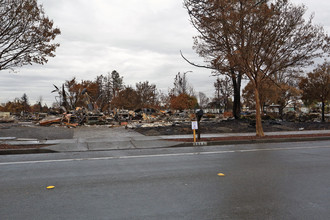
255,38
25,34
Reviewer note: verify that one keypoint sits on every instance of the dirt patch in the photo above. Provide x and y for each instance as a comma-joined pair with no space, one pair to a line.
238,138
16,147
231,126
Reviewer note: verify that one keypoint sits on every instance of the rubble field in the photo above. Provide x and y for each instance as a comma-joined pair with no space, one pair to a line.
56,131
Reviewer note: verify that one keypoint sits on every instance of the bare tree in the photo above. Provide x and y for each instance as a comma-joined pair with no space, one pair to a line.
25,102
223,91
147,94
213,20
163,99
181,85
25,34
116,82
203,100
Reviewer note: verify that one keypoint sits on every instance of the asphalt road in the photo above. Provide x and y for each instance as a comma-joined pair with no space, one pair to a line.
273,181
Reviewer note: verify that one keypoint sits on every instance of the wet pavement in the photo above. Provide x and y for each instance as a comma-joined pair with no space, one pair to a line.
262,181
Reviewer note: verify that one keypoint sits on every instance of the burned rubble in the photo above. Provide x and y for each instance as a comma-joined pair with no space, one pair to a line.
165,122
151,121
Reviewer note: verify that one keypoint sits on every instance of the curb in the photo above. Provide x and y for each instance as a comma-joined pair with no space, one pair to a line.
254,141
26,151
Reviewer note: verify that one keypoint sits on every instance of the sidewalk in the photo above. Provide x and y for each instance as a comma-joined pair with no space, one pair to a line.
104,139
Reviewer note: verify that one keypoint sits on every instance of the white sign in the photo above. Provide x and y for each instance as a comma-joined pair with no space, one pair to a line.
194,125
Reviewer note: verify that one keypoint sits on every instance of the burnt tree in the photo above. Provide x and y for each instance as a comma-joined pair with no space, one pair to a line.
256,38
25,34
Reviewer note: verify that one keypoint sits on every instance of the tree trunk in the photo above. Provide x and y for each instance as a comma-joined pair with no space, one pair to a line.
323,108
259,129
64,99
236,79
199,130
280,109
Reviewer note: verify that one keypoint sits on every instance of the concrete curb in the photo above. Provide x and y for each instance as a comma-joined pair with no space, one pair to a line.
26,151
254,141
112,145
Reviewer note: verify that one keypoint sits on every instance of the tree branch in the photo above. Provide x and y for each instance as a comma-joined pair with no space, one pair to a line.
196,65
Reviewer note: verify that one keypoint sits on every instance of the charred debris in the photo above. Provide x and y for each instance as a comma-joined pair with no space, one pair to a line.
89,114
84,116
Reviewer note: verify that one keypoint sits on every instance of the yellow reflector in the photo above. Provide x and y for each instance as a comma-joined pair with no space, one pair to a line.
50,187
221,174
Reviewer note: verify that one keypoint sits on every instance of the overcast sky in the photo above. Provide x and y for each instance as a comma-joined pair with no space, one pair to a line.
141,39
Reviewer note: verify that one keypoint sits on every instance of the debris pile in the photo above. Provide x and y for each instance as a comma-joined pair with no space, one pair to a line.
140,118
5,117
118,117
79,116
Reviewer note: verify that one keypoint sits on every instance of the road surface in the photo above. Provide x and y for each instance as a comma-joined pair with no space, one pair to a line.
262,181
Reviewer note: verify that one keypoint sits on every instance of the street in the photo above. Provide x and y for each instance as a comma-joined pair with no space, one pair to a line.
262,181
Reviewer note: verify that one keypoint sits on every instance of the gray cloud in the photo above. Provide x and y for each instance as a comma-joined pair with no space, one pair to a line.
139,39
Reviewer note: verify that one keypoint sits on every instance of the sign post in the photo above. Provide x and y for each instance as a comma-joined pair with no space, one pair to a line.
199,115
194,127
